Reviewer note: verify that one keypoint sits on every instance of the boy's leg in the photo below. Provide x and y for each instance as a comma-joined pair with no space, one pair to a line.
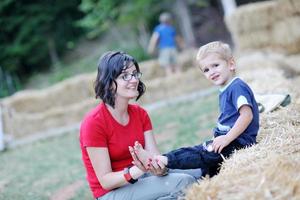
153,187
198,157
186,158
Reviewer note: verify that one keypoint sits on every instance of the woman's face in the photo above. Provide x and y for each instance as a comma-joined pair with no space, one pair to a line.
127,83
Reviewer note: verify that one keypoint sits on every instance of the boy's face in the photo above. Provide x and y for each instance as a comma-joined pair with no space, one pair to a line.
217,70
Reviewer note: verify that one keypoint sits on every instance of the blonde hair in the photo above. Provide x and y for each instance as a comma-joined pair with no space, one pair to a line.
217,47
165,17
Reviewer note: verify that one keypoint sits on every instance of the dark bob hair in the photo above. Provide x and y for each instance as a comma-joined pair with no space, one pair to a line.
110,66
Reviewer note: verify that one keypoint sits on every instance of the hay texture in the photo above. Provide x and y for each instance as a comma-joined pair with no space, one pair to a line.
267,25
268,170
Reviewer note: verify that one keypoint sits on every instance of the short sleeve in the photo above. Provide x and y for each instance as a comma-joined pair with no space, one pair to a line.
147,125
241,96
93,134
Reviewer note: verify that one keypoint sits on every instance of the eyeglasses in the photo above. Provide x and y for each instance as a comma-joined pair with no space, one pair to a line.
128,77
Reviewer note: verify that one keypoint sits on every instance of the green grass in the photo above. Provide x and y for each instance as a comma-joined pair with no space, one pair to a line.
62,72
186,123
38,170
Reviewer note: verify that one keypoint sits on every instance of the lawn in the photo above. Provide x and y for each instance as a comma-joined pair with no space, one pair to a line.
52,168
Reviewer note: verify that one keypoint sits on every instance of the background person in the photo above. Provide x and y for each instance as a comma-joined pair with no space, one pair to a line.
165,37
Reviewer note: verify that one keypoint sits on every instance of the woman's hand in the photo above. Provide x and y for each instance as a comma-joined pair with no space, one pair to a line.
136,161
158,169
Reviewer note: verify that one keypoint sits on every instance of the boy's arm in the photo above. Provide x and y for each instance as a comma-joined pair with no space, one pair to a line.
239,127
153,43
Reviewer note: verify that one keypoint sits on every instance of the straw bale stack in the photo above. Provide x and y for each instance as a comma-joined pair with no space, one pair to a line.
289,9
20,125
152,70
268,170
172,86
286,34
64,104
267,25
263,14
65,93
293,62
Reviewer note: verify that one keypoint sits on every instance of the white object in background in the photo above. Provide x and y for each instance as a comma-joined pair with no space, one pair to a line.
228,6
1,132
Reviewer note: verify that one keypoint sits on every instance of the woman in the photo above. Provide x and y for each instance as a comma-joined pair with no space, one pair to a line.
108,130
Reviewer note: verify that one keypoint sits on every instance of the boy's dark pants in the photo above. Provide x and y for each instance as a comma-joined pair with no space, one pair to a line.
198,157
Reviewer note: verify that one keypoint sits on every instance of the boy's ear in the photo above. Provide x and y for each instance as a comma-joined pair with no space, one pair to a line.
231,63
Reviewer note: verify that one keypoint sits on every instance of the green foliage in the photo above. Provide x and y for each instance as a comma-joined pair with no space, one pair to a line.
27,27
9,83
103,14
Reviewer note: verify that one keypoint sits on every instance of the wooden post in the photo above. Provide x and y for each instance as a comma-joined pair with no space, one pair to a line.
185,23
1,132
228,6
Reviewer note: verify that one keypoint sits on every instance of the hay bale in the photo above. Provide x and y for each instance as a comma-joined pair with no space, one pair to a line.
168,87
286,35
270,81
255,39
293,62
250,173
266,25
252,17
186,59
151,69
21,125
67,92
289,7
249,60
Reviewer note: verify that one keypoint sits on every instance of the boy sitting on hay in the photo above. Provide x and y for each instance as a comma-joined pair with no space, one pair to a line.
237,125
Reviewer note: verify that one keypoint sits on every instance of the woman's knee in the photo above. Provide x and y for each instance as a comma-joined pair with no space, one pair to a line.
181,181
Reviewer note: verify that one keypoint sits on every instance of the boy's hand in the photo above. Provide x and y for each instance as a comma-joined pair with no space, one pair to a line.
160,169
219,143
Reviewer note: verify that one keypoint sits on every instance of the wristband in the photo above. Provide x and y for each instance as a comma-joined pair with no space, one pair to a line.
128,177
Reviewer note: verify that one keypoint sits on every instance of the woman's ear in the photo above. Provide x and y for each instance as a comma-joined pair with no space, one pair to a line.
114,86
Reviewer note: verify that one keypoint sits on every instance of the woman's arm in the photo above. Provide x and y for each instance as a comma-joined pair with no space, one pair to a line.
102,165
157,167
150,143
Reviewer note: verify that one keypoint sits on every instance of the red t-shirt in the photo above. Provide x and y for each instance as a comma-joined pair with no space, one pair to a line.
100,129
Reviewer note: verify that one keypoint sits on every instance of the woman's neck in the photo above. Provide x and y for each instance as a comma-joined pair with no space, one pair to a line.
119,112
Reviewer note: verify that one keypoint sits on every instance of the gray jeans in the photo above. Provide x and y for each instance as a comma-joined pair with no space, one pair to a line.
150,187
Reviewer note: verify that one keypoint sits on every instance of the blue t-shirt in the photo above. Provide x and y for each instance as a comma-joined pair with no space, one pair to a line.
231,98
167,35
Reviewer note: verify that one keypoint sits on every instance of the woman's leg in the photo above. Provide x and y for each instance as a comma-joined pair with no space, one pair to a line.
196,173
153,187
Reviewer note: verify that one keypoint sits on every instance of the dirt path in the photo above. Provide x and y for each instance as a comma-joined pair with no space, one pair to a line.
67,192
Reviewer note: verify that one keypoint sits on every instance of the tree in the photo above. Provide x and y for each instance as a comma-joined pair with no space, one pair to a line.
102,15
34,33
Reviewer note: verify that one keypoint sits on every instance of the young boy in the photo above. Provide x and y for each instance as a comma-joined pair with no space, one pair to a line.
237,124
